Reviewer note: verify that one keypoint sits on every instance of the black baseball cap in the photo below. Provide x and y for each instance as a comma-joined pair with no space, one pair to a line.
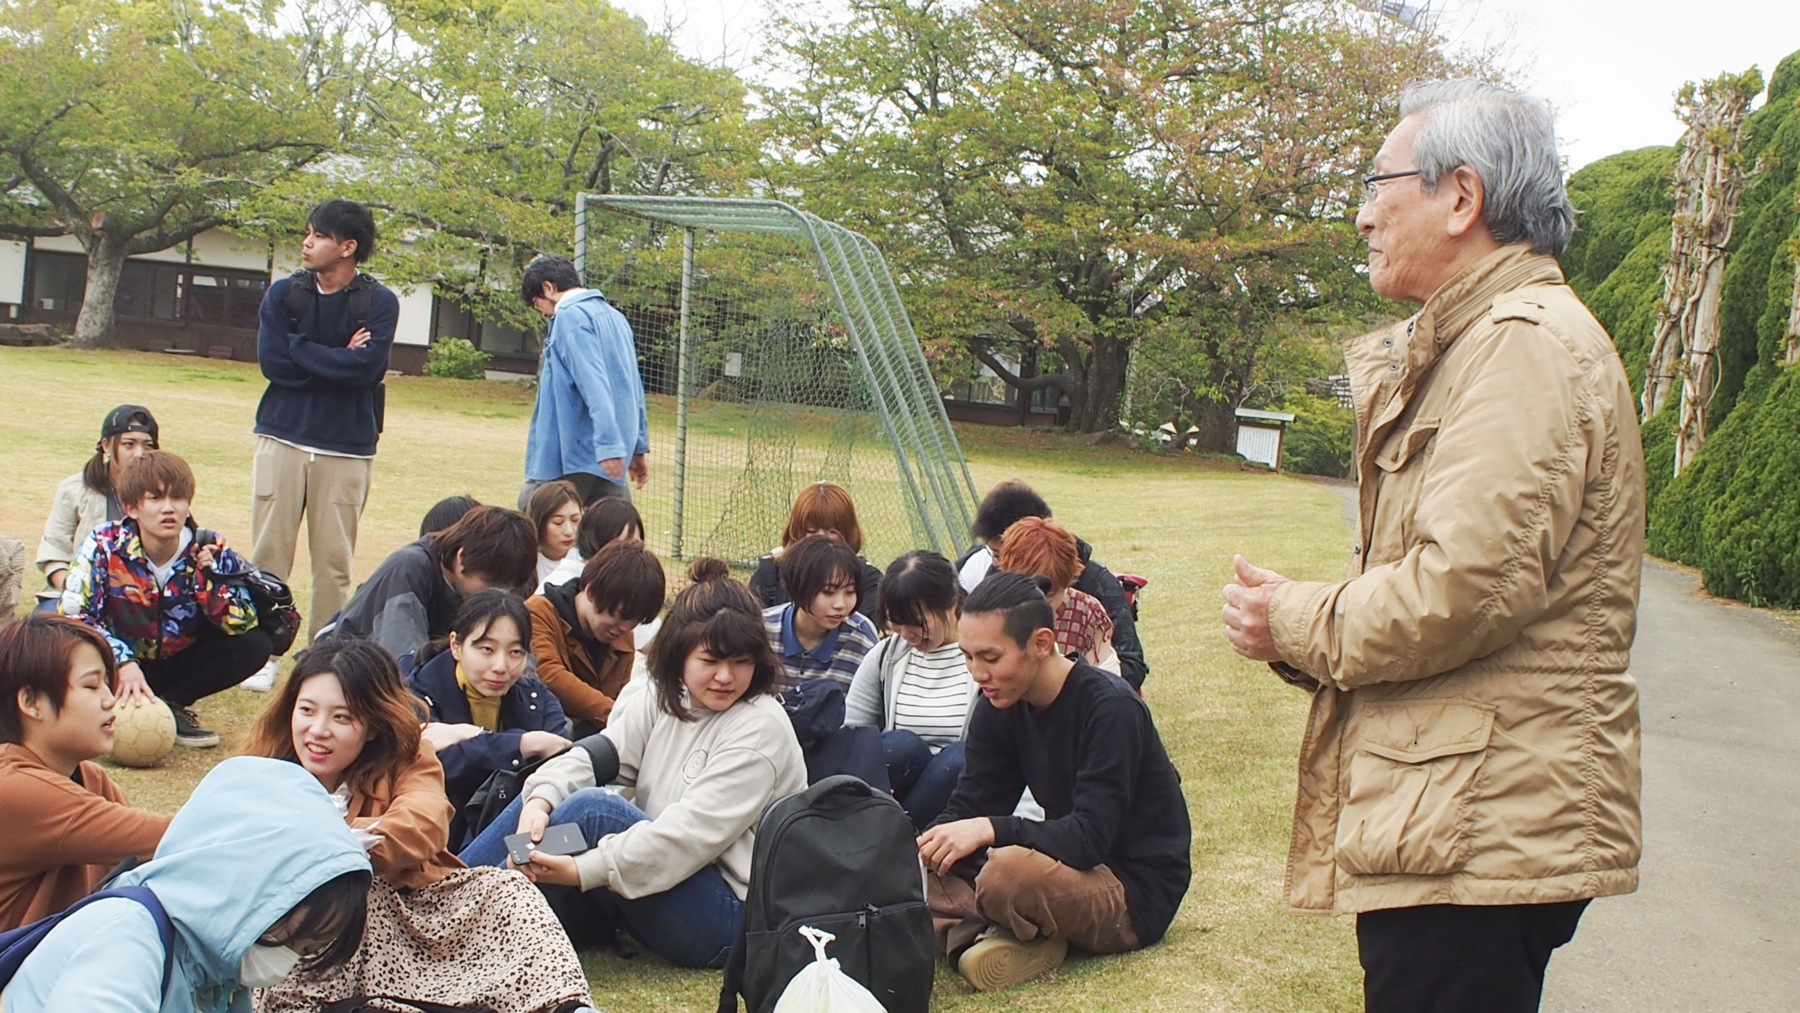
128,418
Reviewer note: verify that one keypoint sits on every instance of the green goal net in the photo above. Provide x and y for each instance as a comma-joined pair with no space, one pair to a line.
780,353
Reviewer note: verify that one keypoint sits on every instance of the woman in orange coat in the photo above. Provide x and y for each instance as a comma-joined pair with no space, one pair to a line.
346,716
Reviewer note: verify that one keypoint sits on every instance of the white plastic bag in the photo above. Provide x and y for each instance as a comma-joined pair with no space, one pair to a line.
821,987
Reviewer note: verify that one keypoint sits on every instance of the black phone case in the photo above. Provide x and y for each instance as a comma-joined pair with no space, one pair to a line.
562,839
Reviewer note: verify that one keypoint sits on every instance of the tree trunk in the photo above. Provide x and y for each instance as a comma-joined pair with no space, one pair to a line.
105,263
1793,327
1216,421
1105,383
1699,373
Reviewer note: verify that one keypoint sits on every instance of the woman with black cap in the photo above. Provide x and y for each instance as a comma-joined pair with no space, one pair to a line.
88,497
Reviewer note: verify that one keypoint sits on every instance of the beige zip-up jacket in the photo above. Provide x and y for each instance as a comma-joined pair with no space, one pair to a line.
1474,739
75,512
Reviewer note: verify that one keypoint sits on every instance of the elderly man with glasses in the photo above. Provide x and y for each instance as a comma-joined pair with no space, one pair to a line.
1469,773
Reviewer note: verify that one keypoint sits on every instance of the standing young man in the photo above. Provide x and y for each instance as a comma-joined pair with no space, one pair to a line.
323,345
1107,867
589,427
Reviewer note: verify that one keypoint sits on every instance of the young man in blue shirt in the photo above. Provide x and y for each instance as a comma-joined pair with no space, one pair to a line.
324,349
589,427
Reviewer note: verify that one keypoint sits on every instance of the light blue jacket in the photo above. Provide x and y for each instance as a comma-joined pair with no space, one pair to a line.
590,397
253,840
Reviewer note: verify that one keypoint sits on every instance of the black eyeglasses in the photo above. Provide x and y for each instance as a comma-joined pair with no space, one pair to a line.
1368,182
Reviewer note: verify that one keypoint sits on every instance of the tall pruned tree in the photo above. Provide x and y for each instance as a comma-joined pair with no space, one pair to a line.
134,125
1089,178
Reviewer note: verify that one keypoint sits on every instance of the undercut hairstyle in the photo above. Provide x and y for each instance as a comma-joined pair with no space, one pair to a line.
817,562
446,512
37,653
918,584
605,521
337,909
559,271
626,580
158,472
478,614
823,506
1019,597
345,220
497,545
721,615
376,696
1509,139
1042,546
546,500
1005,505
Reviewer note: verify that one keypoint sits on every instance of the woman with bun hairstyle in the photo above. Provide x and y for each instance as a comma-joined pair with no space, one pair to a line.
706,746
437,931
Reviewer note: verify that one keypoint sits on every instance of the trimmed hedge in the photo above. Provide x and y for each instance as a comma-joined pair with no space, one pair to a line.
457,359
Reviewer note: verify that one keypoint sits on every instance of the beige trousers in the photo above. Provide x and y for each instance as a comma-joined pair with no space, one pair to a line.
329,492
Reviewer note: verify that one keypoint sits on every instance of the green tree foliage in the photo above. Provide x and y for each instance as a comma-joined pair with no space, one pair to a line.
134,125
1734,513
1320,440
1089,179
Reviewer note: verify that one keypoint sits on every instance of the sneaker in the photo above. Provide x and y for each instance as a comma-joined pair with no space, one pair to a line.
188,731
999,960
264,679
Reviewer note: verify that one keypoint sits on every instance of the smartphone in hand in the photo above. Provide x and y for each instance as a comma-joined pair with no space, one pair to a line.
562,839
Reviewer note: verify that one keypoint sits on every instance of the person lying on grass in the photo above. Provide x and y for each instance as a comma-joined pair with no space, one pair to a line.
69,824
1107,867
706,747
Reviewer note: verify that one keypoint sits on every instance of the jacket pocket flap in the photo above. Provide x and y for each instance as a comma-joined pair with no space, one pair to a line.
1402,447
1421,731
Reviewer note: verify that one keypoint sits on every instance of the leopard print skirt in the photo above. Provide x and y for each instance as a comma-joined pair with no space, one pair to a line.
479,939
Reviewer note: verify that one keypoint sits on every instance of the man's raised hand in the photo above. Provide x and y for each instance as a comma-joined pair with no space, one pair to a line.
1246,612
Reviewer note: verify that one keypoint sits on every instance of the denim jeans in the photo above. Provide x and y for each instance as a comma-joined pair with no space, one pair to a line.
691,924
922,782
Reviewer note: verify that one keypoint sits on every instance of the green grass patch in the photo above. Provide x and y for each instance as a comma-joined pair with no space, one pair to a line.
1231,727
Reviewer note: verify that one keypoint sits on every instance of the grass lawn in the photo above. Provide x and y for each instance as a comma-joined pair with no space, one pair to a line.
1231,727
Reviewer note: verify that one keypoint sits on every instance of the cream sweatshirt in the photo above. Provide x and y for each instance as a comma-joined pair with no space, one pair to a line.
704,784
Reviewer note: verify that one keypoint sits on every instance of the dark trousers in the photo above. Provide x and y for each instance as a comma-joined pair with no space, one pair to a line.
1449,958
587,486
213,662
922,781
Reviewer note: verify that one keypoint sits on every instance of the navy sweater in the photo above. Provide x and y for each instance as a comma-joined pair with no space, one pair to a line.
528,706
321,392
1110,795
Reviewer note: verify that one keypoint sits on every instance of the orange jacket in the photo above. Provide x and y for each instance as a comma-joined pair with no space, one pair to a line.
62,837
564,666
412,814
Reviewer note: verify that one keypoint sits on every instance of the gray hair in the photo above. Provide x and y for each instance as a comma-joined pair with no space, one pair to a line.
1509,139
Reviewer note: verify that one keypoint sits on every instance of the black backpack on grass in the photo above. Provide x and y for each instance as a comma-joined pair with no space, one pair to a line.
842,858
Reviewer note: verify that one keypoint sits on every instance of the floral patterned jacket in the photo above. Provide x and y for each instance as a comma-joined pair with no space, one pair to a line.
112,588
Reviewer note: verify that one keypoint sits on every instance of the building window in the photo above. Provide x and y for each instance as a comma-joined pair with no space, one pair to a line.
452,320
151,290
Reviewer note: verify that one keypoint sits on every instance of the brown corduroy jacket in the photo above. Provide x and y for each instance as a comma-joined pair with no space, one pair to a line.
564,666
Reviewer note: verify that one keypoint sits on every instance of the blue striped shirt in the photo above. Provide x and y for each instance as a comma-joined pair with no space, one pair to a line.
837,656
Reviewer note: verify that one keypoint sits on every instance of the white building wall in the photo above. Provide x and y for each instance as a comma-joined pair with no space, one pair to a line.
414,324
12,272
217,248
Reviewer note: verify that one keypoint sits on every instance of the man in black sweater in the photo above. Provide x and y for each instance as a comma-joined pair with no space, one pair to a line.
1106,869
323,345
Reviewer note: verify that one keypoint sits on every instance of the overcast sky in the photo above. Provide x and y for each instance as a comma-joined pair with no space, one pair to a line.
1610,67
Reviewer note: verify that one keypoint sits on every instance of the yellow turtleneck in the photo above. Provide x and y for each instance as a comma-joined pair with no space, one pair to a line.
484,710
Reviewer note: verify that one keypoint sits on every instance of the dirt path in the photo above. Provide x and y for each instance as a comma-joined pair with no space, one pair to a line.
1715,924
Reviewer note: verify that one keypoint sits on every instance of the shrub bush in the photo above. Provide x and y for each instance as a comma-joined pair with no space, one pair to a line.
1321,437
457,359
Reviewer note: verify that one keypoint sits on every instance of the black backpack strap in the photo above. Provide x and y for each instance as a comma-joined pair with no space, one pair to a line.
299,298
735,965
362,293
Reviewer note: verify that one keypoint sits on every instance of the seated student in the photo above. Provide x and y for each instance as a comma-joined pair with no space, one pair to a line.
411,597
819,633
822,508
156,594
89,498
258,882
1043,547
12,575
603,522
581,631
1108,866
555,512
1013,500
486,714
915,684
68,823
438,932
706,747
446,512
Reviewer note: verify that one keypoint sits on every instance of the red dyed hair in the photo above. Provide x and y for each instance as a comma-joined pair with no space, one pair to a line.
823,506
1042,546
